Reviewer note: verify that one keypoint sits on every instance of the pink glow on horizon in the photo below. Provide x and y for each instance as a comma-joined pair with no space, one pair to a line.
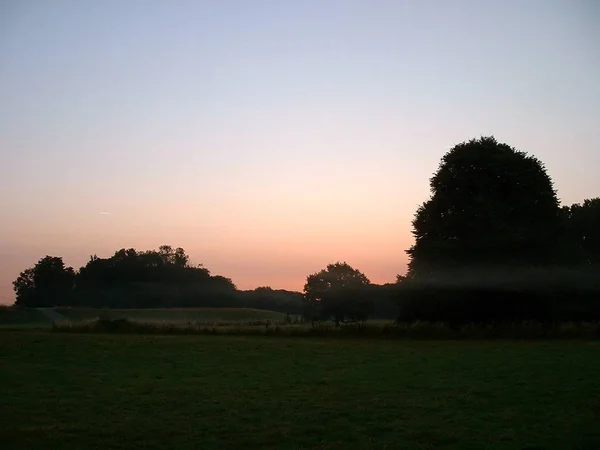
270,141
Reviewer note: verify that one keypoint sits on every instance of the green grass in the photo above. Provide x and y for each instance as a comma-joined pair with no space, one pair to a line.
182,315
99,391
371,330
13,318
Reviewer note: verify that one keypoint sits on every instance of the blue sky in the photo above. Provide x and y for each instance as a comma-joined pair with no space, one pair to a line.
269,138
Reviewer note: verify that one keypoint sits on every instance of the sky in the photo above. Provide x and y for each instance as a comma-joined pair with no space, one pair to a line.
269,138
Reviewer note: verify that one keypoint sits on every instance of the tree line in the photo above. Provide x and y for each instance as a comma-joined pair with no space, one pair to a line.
492,243
162,278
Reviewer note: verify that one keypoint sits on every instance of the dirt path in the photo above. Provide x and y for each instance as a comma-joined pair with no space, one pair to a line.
51,314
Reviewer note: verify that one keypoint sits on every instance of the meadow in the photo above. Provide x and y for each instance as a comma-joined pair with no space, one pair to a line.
175,315
34,318
98,391
17,318
255,322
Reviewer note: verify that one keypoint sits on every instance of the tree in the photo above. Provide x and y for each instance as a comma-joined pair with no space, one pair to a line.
176,257
265,297
153,278
582,232
48,283
491,206
578,282
337,292
490,227
24,287
222,284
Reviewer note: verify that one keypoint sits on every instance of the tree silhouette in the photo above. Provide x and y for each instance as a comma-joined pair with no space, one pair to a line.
490,205
264,297
338,292
48,283
582,232
162,278
485,240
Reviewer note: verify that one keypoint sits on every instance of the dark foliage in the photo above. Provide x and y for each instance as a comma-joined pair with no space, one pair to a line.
385,300
142,279
150,279
414,330
492,244
581,233
48,283
272,299
490,205
338,292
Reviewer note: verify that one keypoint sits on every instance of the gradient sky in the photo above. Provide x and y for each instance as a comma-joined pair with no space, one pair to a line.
269,138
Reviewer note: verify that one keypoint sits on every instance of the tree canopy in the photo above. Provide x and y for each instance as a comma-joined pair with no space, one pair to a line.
581,241
338,292
493,244
141,279
490,205
48,283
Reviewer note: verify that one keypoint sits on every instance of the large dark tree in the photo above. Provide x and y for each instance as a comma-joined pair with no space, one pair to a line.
491,206
48,283
582,233
579,276
337,292
486,240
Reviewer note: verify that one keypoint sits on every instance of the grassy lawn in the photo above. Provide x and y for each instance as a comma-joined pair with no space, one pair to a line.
72,391
12,318
22,318
172,314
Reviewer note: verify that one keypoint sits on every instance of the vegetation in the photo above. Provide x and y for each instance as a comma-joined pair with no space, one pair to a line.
581,233
337,292
495,257
490,205
375,330
174,315
128,392
142,279
16,317
47,283
11,318
492,244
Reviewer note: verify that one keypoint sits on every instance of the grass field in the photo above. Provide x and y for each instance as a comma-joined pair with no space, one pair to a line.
22,318
202,315
96,391
32,318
